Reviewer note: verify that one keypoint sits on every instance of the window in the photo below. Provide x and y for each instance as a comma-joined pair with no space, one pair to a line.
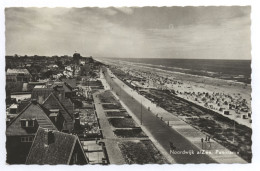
23,123
23,139
31,123
27,139
28,123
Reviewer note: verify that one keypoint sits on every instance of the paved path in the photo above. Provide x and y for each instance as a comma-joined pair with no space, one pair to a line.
168,157
110,140
113,151
183,136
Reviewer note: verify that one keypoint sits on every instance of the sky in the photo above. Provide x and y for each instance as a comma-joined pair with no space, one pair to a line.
148,32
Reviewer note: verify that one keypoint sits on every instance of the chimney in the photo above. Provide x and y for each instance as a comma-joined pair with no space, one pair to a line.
77,124
49,137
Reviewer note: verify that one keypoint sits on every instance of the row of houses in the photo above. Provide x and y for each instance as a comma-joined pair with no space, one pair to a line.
42,130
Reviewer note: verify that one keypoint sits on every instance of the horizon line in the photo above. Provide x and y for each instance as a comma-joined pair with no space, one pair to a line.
173,58
133,57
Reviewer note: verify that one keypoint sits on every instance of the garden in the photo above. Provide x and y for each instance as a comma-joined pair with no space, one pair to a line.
122,122
117,114
107,97
141,152
130,133
111,106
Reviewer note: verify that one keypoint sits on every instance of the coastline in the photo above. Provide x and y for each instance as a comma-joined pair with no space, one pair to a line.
168,71
198,84
156,67
176,123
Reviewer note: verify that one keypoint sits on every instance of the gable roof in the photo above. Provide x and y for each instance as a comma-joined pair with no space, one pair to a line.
22,104
58,152
71,82
67,103
32,110
52,102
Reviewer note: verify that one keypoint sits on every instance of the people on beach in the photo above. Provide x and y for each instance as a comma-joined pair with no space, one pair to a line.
208,140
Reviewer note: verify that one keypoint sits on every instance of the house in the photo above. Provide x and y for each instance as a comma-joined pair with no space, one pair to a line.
41,92
54,147
53,102
64,92
11,112
61,90
22,104
68,104
21,131
63,86
13,109
18,75
71,82
17,79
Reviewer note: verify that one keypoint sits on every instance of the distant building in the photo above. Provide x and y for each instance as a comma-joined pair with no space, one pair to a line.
17,80
21,131
18,75
53,147
41,92
76,58
79,60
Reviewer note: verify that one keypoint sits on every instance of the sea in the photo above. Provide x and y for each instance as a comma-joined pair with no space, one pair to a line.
235,70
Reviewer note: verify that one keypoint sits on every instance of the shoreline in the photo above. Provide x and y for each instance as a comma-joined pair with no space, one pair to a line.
177,124
172,72
195,84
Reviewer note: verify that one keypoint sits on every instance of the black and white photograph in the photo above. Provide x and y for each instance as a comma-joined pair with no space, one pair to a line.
128,85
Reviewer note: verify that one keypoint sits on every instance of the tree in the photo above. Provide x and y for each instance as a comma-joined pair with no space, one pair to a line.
59,64
47,74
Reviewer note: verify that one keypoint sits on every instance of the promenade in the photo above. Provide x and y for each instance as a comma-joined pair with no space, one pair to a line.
110,140
166,128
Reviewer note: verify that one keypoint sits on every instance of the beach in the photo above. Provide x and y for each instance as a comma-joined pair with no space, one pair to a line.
187,84
216,107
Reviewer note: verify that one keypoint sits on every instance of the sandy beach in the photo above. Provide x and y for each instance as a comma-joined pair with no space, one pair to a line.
190,87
